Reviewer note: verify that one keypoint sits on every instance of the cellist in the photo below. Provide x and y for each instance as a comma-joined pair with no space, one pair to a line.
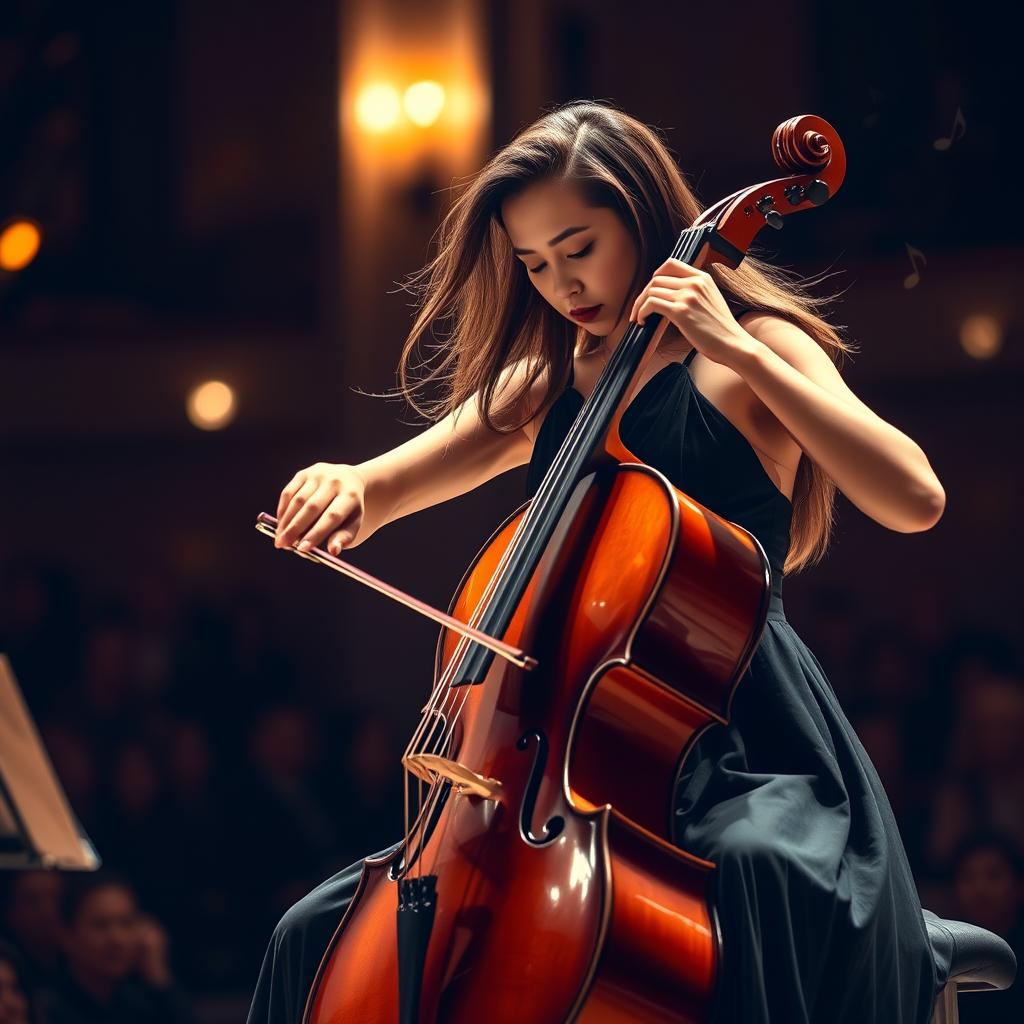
546,257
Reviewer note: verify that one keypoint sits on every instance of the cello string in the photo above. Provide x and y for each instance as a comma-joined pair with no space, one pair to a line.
405,801
442,687
412,845
444,718
450,809
417,846
565,453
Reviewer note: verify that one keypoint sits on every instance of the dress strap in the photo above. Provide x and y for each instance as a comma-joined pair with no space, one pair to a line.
689,357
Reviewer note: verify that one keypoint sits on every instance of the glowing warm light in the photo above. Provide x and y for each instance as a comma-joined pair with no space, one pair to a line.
211,405
19,244
378,107
423,102
413,113
981,336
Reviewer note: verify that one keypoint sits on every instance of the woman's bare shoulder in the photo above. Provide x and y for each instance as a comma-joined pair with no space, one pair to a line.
534,404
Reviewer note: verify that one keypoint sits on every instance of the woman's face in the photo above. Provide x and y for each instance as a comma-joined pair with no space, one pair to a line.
577,256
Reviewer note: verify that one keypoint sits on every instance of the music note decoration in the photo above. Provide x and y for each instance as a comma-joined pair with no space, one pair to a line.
913,278
959,124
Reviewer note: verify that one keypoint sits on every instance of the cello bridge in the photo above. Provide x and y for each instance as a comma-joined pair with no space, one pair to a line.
429,767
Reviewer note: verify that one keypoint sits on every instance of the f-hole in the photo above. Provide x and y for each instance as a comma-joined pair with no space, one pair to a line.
555,825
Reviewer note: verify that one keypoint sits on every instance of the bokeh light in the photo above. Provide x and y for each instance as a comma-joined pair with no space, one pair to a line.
211,405
378,107
19,243
423,102
981,336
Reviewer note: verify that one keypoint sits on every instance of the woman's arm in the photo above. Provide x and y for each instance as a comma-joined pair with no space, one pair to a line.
343,505
453,456
878,467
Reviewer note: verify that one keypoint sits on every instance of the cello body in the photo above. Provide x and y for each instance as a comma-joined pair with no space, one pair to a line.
561,897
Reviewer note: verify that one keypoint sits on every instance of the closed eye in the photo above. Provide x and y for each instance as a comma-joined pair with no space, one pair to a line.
572,256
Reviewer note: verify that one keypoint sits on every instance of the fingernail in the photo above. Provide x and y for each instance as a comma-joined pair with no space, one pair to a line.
305,545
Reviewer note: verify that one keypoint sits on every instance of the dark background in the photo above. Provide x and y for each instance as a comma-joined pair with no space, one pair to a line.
228,719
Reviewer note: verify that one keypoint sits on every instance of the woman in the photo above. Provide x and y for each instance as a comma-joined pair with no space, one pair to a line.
543,261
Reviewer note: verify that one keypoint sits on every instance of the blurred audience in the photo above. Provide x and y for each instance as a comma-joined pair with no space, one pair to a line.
982,783
282,814
30,916
40,627
202,900
369,806
116,968
75,760
17,1005
988,889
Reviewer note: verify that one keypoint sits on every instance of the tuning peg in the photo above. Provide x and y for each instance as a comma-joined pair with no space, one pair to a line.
772,217
817,192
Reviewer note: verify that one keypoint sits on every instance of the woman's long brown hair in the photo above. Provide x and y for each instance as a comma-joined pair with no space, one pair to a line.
477,298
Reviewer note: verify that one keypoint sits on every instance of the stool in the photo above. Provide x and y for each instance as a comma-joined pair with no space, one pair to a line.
979,961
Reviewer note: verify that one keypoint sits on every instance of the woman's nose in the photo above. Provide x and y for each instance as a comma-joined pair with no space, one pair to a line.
566,285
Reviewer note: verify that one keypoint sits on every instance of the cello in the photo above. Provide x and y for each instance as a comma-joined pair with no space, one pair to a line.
599,631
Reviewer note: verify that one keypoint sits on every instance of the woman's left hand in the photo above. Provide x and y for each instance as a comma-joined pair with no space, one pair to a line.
692,301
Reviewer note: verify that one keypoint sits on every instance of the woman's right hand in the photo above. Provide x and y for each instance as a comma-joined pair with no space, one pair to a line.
323,501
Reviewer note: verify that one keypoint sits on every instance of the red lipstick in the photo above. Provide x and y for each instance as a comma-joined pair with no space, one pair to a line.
585,313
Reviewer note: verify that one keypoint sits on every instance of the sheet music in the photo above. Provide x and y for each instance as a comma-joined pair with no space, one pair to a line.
37,825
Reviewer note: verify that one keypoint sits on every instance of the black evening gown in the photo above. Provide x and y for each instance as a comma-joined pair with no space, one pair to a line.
820,917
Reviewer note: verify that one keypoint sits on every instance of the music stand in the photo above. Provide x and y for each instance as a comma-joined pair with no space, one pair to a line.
38,828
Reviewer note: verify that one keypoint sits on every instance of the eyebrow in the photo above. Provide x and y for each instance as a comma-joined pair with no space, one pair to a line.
554,241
